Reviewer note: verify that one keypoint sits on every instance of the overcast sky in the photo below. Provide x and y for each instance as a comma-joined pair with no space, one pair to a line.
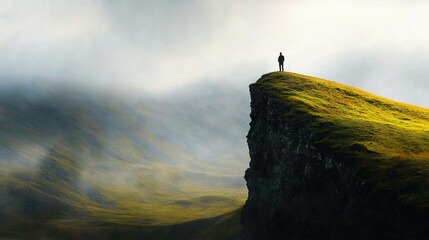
158,46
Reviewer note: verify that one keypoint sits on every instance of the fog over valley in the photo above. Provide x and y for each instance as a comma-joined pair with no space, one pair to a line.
129,119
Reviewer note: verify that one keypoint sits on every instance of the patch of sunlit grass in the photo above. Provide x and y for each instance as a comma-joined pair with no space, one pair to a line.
383,137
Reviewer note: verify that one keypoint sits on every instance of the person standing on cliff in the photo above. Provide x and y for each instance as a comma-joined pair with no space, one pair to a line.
281,59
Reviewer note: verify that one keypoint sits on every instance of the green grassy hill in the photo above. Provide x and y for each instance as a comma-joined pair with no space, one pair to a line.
71,159
226,227
387,140
223,227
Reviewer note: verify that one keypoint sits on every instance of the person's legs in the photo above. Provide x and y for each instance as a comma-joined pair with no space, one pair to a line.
280,67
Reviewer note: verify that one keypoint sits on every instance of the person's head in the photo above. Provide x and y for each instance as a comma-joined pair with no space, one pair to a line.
280,53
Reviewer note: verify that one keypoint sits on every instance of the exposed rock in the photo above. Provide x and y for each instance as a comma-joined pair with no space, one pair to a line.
300,190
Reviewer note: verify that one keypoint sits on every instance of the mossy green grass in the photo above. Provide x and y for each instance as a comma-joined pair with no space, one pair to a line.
387,140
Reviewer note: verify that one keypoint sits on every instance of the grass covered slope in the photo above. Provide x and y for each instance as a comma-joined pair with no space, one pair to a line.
387,141
73,159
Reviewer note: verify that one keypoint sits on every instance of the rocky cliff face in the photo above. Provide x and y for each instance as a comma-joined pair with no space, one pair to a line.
300,190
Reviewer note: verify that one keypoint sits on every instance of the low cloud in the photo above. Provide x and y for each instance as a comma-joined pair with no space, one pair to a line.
159,46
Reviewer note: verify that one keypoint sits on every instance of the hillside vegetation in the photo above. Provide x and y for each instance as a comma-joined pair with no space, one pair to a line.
387,140
78,161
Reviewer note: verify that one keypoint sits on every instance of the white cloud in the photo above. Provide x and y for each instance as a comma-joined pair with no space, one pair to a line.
161,45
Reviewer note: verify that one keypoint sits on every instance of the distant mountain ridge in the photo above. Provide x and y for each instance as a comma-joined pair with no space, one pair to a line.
78,157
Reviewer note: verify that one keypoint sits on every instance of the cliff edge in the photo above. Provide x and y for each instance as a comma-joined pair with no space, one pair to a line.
329,161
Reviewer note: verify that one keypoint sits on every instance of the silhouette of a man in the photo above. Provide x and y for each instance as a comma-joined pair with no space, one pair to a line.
281,59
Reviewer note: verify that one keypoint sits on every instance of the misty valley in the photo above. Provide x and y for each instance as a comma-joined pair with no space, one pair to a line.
214,120
327,161
84,164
